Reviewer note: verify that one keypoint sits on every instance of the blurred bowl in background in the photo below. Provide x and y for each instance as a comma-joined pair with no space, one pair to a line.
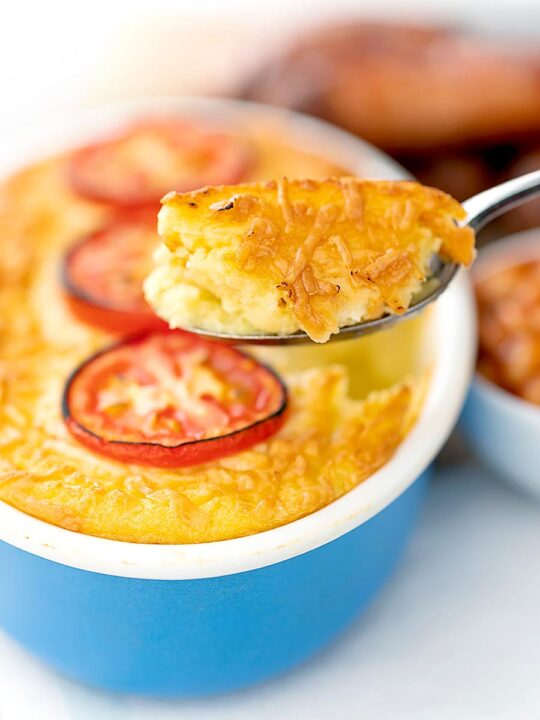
503,428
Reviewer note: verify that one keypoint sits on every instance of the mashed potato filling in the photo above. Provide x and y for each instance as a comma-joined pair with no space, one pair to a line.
278,257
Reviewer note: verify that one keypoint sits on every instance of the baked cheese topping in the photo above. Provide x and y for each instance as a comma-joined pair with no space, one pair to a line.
330,442
278,257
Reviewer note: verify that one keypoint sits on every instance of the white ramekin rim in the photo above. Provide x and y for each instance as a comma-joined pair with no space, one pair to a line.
453,335
86,124
506,252
520,246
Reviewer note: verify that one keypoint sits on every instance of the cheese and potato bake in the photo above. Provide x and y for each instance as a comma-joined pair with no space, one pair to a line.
348,408
311,255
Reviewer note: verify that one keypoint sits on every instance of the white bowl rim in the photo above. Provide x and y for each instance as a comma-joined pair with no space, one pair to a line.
521,246
453,317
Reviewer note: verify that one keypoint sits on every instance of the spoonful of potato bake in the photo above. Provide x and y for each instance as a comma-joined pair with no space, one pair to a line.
293,261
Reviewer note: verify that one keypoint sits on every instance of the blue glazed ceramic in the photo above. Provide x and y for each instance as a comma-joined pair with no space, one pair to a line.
187,620
195,637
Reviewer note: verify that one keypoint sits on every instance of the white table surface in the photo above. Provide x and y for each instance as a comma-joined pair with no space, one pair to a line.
454,636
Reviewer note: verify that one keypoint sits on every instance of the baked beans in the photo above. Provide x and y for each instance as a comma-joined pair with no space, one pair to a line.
509,327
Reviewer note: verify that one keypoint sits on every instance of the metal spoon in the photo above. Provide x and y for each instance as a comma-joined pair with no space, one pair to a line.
480,209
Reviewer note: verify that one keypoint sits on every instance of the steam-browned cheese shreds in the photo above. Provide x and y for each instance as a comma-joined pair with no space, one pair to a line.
329,443
311,255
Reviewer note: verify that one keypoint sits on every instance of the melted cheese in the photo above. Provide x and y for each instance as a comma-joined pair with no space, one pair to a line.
283,256
330,442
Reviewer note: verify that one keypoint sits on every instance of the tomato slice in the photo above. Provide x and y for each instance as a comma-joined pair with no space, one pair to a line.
147,160
172,400
103,275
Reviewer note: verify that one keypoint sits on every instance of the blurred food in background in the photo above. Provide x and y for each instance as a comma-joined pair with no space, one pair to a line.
509,326
528,215
460,111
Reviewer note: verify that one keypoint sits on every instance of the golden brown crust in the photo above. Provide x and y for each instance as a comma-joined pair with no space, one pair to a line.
408,88
329,444
46,473
302,254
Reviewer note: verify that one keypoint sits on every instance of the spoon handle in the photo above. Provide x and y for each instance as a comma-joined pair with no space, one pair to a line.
489,204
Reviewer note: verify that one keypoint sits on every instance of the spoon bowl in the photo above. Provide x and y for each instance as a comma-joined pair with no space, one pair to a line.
480,209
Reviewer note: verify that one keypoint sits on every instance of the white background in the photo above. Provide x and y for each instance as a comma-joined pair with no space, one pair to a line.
59,54
456,634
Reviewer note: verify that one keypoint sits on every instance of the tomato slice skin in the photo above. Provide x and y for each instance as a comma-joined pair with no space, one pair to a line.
80,393
114,322
121,248
146,160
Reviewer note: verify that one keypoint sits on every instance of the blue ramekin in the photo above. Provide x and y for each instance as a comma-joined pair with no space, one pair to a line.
189,620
